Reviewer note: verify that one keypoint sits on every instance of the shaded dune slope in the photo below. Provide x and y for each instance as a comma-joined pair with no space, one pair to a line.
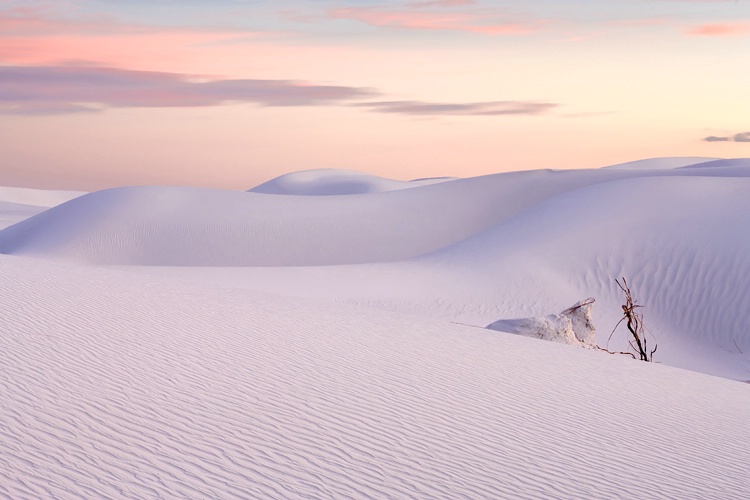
685,244
201,227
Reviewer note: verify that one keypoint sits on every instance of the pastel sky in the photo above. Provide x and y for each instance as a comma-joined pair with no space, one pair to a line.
231,93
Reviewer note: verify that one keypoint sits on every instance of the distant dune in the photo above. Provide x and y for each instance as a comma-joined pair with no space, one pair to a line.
662,163
37,197
327,182
17,204
201,227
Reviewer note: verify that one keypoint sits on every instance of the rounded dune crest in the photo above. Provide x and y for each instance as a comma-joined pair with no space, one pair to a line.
661,163
331,182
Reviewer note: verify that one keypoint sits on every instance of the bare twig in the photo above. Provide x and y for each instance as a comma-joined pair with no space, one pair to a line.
613,331
639,344
616,352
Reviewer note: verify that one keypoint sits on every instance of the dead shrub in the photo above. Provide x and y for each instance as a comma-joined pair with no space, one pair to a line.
639,343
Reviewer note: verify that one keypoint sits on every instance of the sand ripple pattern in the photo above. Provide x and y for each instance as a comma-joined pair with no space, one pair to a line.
119,386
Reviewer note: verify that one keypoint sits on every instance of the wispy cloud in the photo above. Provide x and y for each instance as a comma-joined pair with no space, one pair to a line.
50,18
720,29
741,137
438,15
492,108
41,90
56,89
48,35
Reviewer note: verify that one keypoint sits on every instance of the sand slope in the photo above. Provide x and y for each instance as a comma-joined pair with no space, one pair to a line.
202,227
116,385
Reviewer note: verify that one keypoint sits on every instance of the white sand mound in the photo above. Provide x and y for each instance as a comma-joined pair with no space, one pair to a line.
203,227
723,163
661,163
119,385
329,181
573,326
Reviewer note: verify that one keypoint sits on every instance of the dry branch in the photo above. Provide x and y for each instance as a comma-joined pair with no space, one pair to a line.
639,344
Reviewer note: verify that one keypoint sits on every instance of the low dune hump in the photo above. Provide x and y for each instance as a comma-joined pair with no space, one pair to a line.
331,182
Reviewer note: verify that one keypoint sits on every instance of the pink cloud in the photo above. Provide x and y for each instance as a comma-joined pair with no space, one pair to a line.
44,90
55,89
475,22
492,108
720,29
48,19
37,35
159,51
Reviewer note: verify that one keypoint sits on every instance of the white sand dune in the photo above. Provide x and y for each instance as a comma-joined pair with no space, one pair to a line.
177,342
685,243
721,163
330,181
117,385
662,163
202,227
